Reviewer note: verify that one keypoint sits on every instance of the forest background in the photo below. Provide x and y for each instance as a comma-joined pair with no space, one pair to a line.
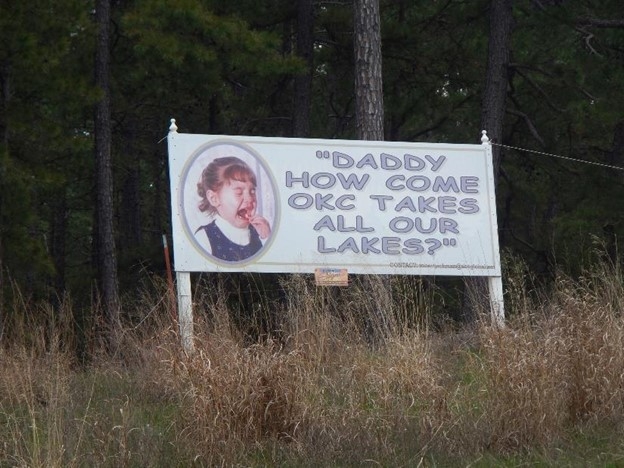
286,373
285,68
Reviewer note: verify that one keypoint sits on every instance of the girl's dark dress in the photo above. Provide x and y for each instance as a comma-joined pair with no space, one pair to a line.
224,249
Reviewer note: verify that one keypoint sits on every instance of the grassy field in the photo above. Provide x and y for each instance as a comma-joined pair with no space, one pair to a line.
335,386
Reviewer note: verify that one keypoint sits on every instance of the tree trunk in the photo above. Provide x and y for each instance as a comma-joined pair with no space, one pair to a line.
4,148
497,77
131,209
105,243
303,83
369,124
615,158
130,219
492,119
369,111
58,251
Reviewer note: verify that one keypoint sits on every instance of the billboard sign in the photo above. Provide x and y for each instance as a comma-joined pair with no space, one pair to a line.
258,204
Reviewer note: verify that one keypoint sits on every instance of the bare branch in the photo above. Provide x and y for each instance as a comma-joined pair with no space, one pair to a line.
588,37
538,88
601,23
518,66
598,23
526,66
529,124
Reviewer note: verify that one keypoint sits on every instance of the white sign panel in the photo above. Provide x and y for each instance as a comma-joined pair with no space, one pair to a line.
294,205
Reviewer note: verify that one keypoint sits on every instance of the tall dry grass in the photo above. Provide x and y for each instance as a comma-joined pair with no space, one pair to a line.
332,381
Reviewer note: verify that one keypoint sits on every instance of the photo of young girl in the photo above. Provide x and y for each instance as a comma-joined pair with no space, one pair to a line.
228,203
228,193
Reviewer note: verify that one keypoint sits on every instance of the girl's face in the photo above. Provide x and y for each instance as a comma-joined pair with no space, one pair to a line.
235,202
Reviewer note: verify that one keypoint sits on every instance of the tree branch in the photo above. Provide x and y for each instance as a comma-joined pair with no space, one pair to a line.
529,124
601,23
538,88
588,37
517,66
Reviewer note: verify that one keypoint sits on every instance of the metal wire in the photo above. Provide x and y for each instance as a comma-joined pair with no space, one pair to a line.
609,166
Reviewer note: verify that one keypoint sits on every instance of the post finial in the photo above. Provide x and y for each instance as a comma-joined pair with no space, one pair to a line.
484,138
173,128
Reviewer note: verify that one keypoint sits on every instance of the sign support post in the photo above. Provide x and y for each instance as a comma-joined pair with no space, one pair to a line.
497,306
185,310
495,283
185,296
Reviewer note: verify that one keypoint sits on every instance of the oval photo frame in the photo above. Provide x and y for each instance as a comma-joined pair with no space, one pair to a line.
189,199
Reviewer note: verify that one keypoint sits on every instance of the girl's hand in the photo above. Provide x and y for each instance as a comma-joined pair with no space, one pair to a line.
262,226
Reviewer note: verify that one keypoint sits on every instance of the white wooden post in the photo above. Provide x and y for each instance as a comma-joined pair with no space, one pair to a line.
183,280
495,283
185,310
497,306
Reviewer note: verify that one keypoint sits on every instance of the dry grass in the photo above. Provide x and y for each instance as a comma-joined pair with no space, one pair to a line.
335,382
